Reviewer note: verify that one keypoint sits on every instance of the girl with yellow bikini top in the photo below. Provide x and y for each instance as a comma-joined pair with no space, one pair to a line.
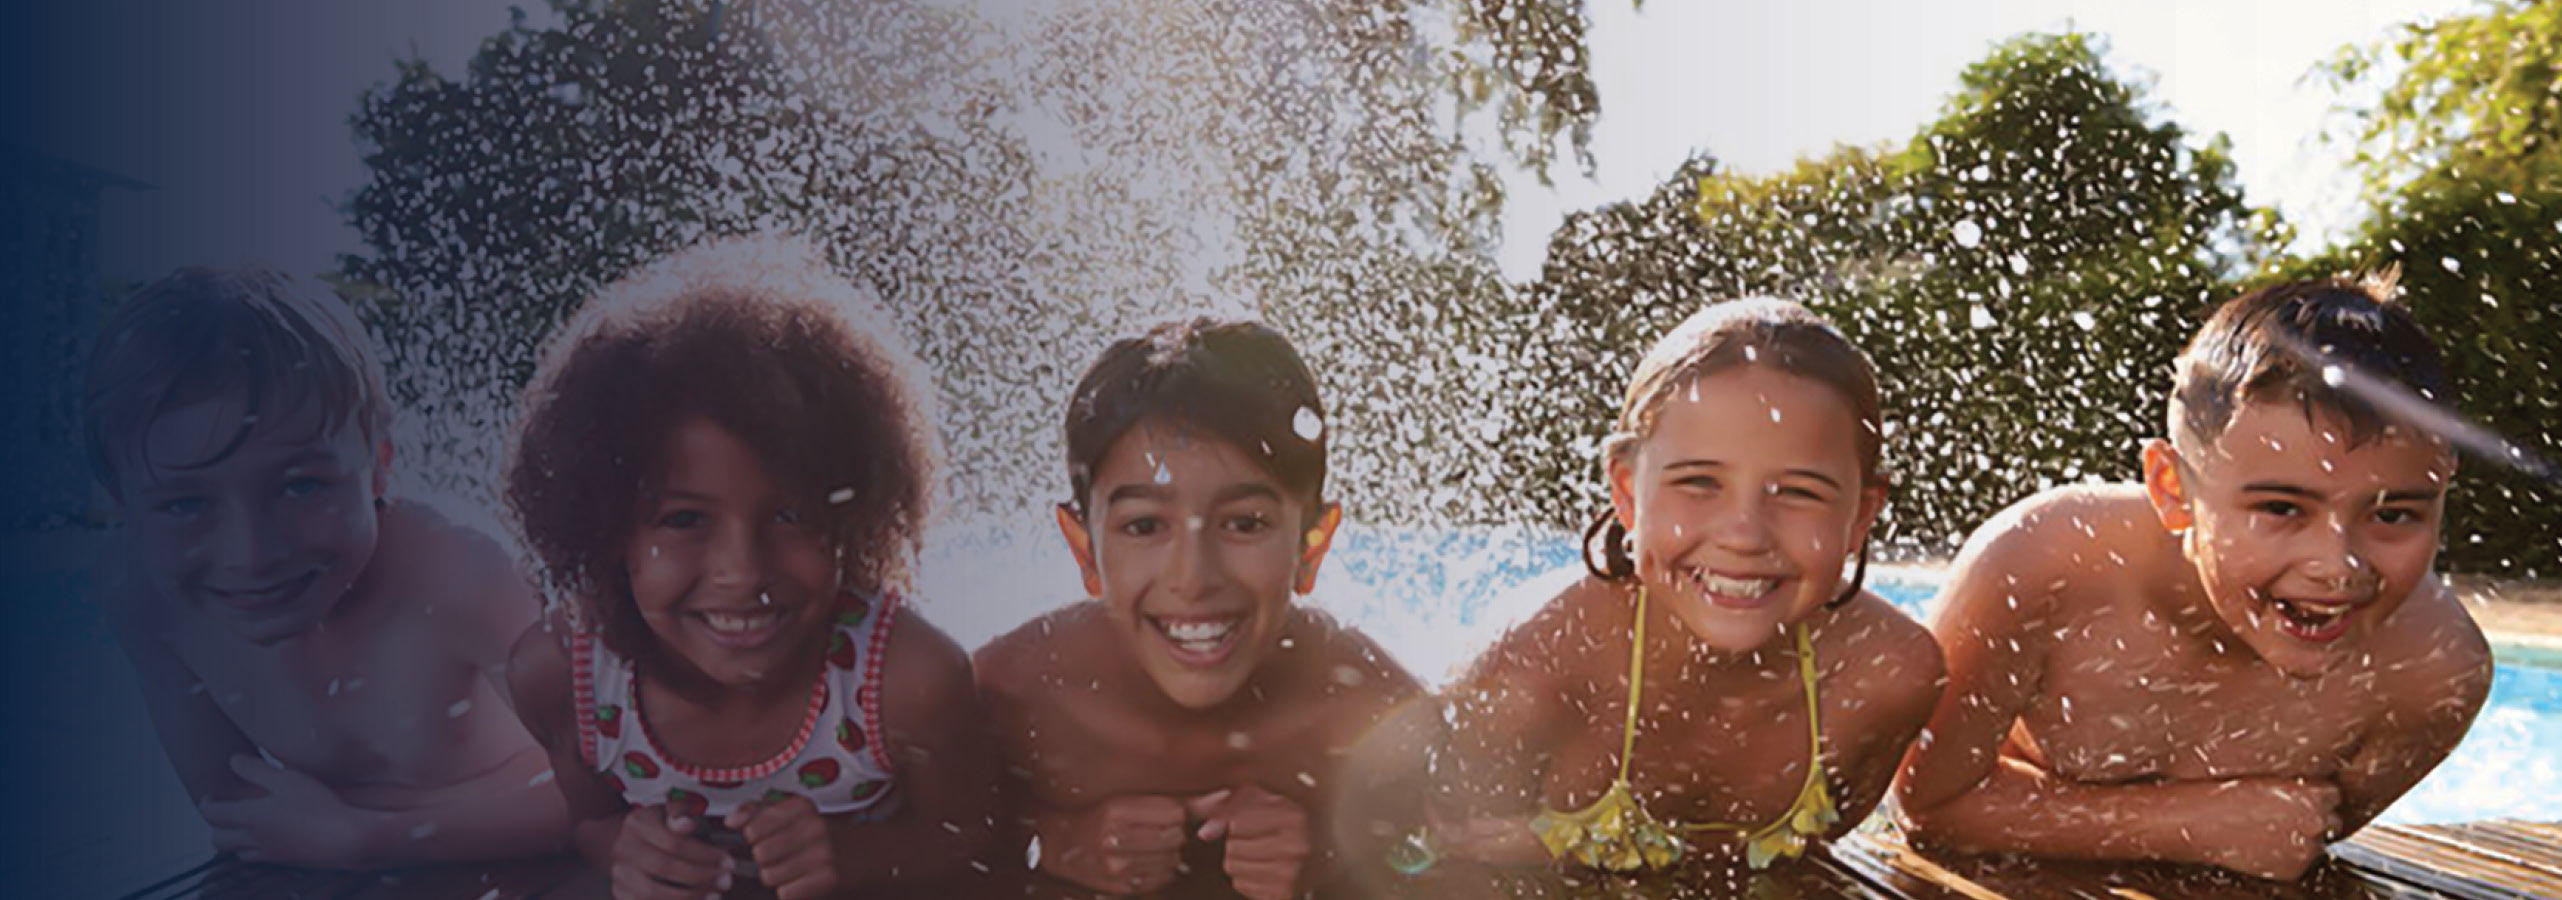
1743,473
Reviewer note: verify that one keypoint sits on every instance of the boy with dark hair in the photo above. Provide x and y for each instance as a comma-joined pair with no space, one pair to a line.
2241,659
1181,735
324,663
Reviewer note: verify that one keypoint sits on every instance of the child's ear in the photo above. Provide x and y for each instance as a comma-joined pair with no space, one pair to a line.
1872,503
1313,545
382,468
1623,490
2164,487
1081,545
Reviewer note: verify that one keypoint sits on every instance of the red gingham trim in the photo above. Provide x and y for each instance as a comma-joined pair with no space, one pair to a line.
869,695
582,686
772,764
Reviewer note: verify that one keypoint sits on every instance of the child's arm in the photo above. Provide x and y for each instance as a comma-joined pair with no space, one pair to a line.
2429,702
1897,676
197,735
645,854
946,772
1505,716
1959,789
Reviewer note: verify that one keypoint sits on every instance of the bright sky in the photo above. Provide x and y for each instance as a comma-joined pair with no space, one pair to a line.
1759,85
239,116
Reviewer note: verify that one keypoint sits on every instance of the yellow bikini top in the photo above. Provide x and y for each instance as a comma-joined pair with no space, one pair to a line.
1617,834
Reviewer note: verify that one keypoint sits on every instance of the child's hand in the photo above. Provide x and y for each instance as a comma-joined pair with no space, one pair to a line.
2273,828
1267,837
658,858
297,821
793,850
1124,845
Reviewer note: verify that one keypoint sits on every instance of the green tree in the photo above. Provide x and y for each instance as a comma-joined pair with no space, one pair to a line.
2022,271
2460,147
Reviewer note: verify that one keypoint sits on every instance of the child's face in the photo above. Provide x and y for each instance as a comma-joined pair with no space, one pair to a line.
1746,502
1195,550
731,572
2303,543
269,537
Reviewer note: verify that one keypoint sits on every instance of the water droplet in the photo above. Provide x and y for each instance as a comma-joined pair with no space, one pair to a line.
840,495
1307,424
1968,233
1979,317
457,710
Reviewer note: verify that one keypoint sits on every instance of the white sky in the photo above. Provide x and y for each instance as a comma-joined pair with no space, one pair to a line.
239,115
1759,85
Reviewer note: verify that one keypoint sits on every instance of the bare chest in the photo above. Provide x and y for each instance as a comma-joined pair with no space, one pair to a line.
2143,712
1080,750
381,710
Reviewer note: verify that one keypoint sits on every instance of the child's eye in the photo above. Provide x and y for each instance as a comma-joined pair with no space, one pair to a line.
1699,482
1801,493
183,507
2398,516
1249,524
681,519
2279,508
304,487
1142,526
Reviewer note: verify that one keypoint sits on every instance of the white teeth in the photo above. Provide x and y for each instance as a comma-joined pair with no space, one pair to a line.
1735,587
1199,632
731,623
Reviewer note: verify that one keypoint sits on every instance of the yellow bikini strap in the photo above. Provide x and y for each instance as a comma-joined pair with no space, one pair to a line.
1814,730
1636,681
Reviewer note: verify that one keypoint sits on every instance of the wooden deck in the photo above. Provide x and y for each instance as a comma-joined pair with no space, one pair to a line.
2482,861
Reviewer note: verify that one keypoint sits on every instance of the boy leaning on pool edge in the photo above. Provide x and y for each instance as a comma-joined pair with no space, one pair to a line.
1185,733
2237,661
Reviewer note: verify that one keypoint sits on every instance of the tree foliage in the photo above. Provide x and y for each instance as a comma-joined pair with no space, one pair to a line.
2022,271
2461,153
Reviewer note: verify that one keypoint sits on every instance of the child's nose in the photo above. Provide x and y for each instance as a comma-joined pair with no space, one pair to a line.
248,543
2332,556
1195,567
737,560
1740,525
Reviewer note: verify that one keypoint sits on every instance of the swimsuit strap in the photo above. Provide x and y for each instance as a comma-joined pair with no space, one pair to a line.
1636,685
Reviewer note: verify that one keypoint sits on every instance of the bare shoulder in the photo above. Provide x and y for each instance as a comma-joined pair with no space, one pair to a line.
920,651
1560,638
1870,632
420,542
1042,651
2432,644
2074,541
1349,656
538,676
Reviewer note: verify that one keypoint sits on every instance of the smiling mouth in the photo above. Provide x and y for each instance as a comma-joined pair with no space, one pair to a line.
1199,641
740,629
1733,592
260,598
2311,620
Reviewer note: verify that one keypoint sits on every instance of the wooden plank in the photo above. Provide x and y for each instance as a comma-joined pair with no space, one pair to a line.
2444,858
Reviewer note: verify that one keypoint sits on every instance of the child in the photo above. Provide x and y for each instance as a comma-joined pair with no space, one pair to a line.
1181,733
1715,689
725,481
2238,660
323,662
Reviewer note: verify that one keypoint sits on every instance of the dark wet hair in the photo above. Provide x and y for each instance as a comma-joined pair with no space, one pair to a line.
2242,355
1240,381
825,405
203,333
1760,331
